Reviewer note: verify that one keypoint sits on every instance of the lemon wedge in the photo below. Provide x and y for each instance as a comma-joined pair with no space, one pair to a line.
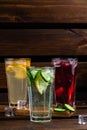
41,84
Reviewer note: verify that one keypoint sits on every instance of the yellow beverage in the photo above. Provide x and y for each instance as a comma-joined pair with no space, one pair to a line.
16,79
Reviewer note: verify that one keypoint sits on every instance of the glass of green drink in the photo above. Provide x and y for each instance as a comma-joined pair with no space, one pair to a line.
40,91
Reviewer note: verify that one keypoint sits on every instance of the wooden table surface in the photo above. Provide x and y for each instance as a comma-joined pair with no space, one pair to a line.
56,124
21,121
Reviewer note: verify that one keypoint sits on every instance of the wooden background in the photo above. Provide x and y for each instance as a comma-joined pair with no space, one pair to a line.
51,11
43,30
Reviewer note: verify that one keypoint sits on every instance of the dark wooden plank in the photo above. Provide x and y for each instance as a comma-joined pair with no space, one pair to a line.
3,98
47,11
33,42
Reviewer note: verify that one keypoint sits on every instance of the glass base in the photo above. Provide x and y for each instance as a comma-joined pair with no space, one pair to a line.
40,119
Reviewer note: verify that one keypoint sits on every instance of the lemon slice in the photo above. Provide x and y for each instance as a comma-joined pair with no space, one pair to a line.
20,71
41,84
9,68
28,63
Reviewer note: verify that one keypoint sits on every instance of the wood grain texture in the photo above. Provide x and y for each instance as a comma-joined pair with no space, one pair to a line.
33,42
47,11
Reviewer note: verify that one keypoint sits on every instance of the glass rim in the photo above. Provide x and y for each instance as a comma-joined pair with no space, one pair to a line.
40,67
56,62
10,59
65,59
17,60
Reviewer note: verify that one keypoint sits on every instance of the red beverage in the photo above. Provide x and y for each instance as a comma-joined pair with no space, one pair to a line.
65,82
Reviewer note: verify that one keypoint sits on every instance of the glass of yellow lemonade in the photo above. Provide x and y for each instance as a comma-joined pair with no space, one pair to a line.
17,81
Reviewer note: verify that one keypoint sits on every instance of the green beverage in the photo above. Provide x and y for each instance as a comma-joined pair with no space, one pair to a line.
40,80
16,80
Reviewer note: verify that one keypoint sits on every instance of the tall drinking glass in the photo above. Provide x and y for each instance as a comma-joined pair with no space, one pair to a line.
65,85
40,80
17,81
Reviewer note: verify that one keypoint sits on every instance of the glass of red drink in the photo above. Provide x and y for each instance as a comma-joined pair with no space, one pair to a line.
65,84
